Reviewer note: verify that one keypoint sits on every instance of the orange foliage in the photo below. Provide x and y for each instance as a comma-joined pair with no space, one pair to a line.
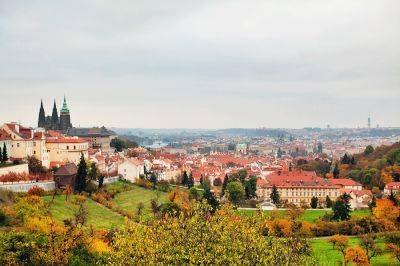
35,190
356,255
386,210
16,177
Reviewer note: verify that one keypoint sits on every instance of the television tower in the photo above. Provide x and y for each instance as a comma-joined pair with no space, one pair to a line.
369,122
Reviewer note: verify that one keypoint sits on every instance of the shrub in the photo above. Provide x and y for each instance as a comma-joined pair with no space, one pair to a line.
37,191
163,186
217,182
3,217
144,183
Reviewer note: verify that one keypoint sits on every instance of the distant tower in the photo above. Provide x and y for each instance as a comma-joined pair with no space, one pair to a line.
369,122
65,118
42,116
54,118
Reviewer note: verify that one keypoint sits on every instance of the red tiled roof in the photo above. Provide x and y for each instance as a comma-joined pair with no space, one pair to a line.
393,185
294,179
345,182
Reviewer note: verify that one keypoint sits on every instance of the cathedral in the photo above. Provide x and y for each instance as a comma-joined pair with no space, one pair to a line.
55,122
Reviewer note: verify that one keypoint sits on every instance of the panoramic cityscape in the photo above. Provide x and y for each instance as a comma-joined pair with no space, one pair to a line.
200,133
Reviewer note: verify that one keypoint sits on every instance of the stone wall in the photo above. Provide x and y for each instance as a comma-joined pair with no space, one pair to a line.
24,186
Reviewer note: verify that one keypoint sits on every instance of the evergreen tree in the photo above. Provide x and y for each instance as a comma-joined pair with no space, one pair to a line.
368,150
251,187
372,204
94,172
80,182
336,171
353,160
345,159
101,181
211,199
224,184
185,179
279,153
4,156
328,202
320,147
190,181
153,179
275,197
341,208
314,202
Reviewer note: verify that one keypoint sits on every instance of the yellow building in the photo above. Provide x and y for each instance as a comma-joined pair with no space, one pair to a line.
66,149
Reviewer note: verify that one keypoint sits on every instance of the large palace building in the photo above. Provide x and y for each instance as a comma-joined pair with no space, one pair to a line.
55,122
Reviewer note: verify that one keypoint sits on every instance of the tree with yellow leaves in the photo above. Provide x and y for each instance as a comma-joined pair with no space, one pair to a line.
340,243
357,256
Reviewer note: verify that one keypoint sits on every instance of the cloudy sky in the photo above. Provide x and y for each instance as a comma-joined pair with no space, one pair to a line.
202,64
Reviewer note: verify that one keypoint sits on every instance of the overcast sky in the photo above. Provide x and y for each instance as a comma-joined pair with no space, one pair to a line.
202,64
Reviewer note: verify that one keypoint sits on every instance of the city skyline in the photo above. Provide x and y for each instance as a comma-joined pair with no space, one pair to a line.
203,65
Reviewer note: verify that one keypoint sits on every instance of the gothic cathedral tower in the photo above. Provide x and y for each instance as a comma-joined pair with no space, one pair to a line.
65,118
42,116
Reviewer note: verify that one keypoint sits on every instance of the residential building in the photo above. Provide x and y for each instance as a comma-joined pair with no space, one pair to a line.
98,137
131,169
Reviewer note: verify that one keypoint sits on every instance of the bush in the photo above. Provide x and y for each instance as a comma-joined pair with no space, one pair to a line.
3,217
163,186
144,183
36,191
91,187
217,182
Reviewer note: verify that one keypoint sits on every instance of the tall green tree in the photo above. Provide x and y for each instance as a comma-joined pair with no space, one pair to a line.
190,183
94,172
211,199
314,202
235,192
328,202
368,150
320,147
341,208
224,184
185,179
336,171
251,187
81,177
4,156
279,153
275,197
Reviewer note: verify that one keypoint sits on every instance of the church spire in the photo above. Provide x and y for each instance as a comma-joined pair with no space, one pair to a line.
65,109
54,117
42,116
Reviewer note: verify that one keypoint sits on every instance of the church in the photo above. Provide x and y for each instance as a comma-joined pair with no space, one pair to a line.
55,122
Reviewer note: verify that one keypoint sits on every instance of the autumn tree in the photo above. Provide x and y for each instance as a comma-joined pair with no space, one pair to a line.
367,242
339,243
357,256
341,208
387,212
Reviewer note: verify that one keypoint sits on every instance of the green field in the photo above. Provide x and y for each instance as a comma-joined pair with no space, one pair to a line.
98,216
325,255
129,200
311,215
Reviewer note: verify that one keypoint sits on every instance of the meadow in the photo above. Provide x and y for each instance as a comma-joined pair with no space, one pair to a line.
98,216
310,215
326,255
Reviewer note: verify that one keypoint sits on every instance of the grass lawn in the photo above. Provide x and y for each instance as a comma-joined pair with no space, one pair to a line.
6,164
129,200
98,216
325,254
311,215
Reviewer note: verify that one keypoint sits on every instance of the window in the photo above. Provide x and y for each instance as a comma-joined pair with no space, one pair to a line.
17,144
67,147
74,147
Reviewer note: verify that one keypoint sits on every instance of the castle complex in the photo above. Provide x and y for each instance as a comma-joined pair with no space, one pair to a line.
55,122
